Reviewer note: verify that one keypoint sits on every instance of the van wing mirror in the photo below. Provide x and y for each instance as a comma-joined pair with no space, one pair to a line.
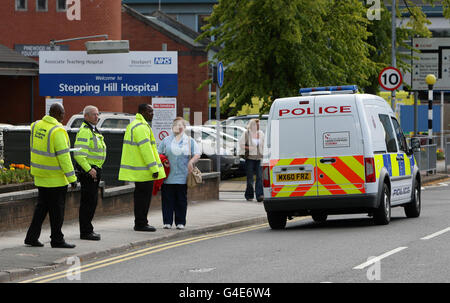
415,144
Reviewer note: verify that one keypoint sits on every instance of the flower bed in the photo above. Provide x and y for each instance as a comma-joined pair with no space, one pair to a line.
14,174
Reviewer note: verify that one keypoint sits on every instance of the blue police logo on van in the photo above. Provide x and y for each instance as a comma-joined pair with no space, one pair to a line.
163,60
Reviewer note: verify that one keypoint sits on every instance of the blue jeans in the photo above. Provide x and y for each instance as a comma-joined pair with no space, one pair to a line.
253,167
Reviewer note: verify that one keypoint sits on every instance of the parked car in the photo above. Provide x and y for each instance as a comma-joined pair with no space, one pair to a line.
232,130
206,138
106,120
242,121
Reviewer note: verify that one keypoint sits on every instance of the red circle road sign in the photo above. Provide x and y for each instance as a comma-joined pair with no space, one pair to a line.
163,134
390,78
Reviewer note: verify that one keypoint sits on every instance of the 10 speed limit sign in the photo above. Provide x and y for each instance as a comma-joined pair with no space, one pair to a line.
390,78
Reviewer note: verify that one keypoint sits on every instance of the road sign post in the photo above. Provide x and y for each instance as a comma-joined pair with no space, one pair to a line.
220,74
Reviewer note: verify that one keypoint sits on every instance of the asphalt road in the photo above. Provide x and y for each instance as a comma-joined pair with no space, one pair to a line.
409,250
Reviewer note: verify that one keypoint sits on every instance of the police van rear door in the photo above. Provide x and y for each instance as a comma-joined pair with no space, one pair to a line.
339,146
293,163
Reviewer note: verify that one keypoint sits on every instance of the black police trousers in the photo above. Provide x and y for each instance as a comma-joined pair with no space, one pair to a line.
142,198
51,200
88,202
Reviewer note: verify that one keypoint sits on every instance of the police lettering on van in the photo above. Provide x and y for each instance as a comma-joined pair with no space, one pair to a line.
334,151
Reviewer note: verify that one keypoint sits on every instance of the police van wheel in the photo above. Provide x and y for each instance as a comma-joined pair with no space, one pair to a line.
412,209
382,214
276,220
319,217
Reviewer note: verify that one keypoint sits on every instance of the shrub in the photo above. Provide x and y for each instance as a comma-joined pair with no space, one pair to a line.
440,154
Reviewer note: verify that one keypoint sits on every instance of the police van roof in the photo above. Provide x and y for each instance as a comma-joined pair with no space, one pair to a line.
328,90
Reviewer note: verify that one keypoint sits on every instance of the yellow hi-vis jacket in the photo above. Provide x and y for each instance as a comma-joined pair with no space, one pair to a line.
140,158
93,148
51,164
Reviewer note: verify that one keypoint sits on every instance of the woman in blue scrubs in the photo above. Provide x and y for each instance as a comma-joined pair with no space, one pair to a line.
182,152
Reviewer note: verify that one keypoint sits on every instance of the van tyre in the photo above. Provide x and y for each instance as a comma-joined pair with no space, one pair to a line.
412,209
276,220
319,217
382,215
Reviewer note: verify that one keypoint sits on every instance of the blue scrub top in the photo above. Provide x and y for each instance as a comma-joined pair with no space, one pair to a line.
178,155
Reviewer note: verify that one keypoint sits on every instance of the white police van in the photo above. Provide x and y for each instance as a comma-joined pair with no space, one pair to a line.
333,151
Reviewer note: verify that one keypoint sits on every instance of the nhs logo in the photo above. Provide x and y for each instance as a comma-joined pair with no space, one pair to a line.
163,60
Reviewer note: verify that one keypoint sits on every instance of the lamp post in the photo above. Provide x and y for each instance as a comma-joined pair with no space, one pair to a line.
430,80
98,47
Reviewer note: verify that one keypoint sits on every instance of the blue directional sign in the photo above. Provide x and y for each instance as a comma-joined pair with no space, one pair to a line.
220,73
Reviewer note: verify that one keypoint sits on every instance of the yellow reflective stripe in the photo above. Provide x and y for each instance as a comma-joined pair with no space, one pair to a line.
337,178
284,162
283,194
379,164
312,191
407,166
355,165
323,191
394,164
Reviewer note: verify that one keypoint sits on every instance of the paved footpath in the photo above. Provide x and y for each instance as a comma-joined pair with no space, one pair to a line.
18,261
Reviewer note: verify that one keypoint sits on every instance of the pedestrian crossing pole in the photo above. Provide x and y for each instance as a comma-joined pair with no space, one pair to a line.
393,45
430,80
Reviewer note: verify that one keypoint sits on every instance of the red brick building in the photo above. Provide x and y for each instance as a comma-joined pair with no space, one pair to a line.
31,25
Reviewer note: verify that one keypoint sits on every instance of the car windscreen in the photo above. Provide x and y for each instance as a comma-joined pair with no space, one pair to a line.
115,123
77,123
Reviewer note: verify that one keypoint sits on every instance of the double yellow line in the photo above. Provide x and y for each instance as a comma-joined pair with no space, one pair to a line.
139,253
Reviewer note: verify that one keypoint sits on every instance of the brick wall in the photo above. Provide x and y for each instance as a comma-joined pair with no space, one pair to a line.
17,214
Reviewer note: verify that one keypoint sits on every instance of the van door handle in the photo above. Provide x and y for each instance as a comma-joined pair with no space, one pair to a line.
327,160
400,157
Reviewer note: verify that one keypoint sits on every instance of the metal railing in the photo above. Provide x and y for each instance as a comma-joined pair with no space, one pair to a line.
426,157
447,156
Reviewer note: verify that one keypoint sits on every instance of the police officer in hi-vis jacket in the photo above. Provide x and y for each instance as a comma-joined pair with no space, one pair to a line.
140,164
52,169
90,158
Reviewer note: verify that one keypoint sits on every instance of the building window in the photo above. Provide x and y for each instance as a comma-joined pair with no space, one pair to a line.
21,5
61,5
41,5
201,21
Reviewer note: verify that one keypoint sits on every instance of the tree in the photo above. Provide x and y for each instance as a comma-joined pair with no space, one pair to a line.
271,48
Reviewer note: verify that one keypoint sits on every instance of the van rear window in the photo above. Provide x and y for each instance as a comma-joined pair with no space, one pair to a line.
294,138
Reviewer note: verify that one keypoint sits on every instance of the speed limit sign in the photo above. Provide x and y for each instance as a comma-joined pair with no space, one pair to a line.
390,78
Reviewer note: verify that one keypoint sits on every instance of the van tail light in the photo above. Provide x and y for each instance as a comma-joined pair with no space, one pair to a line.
266,175
369,164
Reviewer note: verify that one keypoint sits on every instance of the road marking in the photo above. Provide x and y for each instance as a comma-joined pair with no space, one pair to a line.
436,234
151,249
146,251
379,258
